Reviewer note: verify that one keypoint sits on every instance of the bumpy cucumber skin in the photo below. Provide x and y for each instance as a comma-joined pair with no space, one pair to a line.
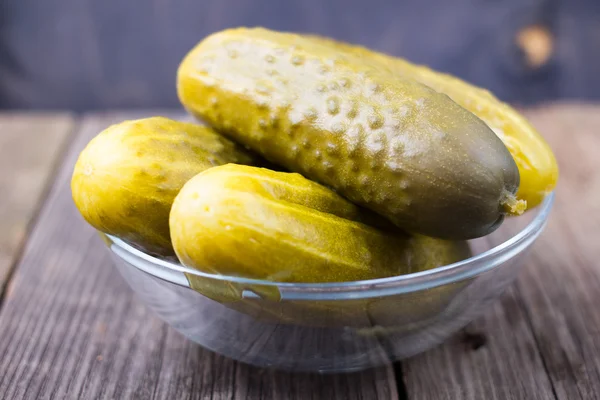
390,144
294,230
127,177
538,168
255,223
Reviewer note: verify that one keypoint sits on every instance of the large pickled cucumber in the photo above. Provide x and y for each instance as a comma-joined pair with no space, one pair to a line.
125,180
383,141
537,165
255,223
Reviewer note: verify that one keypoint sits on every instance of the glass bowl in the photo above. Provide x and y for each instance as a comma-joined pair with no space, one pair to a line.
331,327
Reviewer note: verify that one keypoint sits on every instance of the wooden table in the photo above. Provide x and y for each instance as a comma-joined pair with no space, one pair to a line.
71,328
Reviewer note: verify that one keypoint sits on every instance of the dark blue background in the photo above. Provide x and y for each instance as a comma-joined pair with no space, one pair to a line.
95,54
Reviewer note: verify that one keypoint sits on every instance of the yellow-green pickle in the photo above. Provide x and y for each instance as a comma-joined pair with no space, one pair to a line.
382,140
127,177
256,223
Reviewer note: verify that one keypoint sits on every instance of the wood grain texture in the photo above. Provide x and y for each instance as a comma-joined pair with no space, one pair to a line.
560,288
29,148
73,329
496,357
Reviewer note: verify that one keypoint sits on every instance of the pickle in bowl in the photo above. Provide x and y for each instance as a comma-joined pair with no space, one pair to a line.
127,177
255,223
538,169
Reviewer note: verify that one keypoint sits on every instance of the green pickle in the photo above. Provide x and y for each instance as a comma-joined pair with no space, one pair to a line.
538,169
250,222
127,177
383,141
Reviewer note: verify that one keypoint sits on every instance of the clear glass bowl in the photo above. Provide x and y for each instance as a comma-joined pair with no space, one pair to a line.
330,327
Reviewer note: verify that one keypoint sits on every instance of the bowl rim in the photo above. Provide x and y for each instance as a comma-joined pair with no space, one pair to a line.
416,281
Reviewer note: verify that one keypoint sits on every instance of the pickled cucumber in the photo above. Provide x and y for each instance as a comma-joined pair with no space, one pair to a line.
385,142
537,165
125,180
255,223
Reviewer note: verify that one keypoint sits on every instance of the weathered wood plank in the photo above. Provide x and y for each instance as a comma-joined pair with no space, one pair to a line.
494,358
29,147
73,329
561,286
